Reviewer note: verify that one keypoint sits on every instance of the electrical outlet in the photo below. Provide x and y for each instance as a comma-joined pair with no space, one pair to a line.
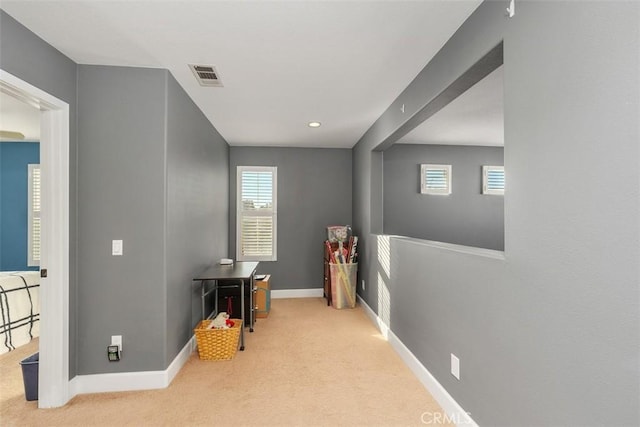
363,287
114,351
455,366
117,340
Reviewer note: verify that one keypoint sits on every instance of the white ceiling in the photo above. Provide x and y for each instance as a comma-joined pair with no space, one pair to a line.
282,63
474,118
18,116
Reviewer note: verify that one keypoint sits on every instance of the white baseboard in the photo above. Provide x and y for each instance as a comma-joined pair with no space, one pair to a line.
454,411
129,381
382,327
297,293
180,360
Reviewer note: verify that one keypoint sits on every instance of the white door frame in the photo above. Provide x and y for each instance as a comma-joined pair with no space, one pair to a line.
53,383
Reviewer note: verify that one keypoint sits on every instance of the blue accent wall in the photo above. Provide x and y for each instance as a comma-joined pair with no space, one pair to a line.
14,178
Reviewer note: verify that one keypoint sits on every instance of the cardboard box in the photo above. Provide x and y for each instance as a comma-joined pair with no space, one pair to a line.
263,297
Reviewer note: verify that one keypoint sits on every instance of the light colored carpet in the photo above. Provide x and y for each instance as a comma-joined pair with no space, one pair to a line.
305,365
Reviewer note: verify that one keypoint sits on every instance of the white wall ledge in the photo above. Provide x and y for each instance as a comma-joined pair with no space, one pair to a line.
469,250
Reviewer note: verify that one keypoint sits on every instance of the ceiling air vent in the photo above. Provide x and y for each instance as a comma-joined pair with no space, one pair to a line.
206,75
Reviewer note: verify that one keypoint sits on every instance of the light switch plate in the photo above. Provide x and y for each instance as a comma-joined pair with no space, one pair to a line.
455,366
116,247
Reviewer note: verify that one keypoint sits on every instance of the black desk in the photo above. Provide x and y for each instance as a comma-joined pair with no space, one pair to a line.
242,273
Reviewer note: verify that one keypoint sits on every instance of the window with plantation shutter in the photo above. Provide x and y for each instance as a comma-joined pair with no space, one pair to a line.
493,180
435,179
256,213
33,233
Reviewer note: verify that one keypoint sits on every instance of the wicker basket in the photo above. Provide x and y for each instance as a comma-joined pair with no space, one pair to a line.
217,344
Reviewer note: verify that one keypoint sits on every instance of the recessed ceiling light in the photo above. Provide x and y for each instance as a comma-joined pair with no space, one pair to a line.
314,124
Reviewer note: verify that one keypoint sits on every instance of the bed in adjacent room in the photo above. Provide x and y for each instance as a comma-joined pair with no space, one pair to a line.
19,308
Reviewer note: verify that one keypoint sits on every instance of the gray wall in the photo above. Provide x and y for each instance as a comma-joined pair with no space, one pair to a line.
121,195
197,210
28,57
154,173
549,335
314,190
465,217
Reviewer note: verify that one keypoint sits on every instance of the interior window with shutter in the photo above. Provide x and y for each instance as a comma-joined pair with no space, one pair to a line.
435,179
256,213
33,233
493,180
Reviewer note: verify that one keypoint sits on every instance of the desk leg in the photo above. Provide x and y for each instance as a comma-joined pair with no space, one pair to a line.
242,314
215,298
252,284
202,295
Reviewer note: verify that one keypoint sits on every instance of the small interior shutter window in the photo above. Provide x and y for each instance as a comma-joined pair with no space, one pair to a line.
493,180
435,179
33,257
257,213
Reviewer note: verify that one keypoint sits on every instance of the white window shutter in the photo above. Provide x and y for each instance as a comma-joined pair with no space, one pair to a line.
257,213
435,179
493,180
33,233
257,236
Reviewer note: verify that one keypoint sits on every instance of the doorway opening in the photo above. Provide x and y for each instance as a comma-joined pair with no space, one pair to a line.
53,383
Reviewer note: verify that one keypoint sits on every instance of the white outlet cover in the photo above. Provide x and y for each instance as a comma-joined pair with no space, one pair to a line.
117,340
455,366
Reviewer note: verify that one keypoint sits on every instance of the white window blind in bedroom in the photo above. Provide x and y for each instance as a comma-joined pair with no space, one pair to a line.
33,233
256,213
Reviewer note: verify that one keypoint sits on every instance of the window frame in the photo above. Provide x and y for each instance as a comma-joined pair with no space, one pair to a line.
486,169
424,189
33,215
273,213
